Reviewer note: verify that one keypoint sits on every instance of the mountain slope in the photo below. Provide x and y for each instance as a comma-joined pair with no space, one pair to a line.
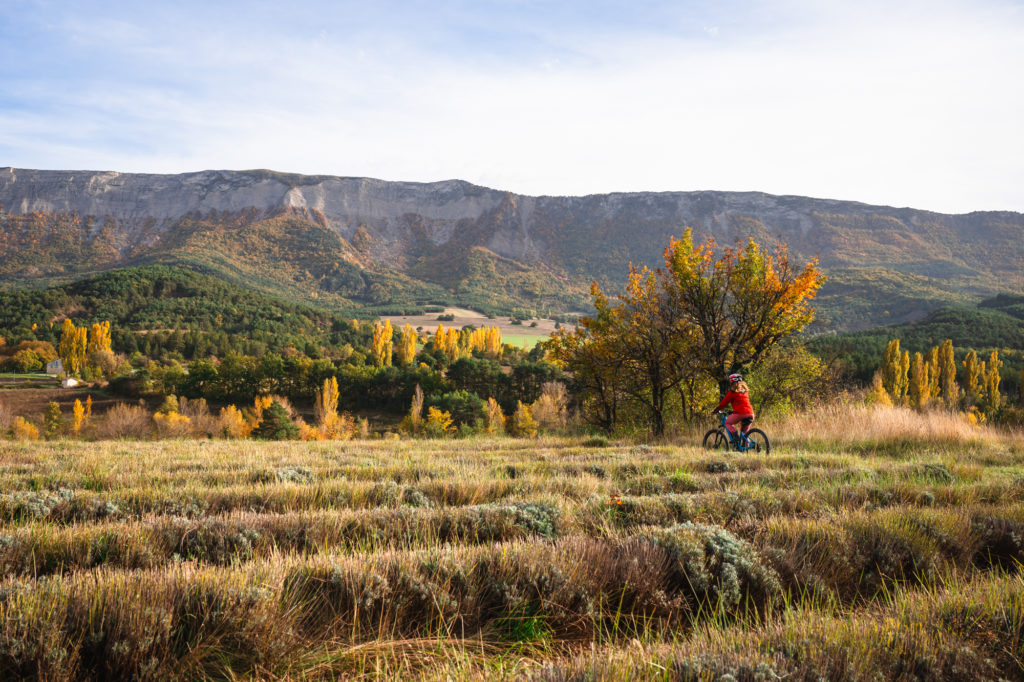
357,242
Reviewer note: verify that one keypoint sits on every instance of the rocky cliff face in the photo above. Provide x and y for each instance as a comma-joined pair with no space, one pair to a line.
397,224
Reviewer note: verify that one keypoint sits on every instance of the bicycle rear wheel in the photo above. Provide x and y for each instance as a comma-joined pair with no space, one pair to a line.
716,440
759,440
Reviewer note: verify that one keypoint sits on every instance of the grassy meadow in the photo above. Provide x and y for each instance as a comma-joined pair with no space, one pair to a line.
869,544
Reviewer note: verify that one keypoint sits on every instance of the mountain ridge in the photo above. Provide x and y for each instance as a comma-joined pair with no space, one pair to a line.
439,234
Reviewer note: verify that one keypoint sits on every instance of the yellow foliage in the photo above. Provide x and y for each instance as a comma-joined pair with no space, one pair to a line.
521,423
406,350
99,337
78,416
495,417
72,347
172,423
878,395
232,423
492,342
438,422
307,432
381,347
259,403
24,429
549,410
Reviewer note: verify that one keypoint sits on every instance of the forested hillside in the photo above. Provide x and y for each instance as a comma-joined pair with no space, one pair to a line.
995,323
189,311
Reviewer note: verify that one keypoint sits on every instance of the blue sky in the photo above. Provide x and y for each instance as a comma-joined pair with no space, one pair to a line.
902,103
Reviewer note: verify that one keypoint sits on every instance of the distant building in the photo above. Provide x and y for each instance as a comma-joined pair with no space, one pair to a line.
69,382
55,367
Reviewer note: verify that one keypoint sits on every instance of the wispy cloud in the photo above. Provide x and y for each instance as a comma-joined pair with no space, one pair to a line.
900,103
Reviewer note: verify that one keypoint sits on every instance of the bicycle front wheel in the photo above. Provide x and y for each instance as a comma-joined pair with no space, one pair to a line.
715,440
759,440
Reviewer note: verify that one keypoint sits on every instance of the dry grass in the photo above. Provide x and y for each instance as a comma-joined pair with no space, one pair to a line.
504,558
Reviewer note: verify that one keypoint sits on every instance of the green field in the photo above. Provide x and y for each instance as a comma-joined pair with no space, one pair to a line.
524,340
869,544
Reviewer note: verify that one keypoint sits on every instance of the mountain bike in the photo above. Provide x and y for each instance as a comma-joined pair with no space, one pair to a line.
754,440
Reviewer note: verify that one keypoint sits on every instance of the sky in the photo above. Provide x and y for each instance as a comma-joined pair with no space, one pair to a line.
899,103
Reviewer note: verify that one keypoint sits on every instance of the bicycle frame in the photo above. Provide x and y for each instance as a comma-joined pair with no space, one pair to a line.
743,442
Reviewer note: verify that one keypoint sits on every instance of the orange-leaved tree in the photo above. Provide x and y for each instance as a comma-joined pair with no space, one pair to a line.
636,349
742,302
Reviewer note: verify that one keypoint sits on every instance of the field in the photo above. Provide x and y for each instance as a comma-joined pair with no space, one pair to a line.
521,335
869,544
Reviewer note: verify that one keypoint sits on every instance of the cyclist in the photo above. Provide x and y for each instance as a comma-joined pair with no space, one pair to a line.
741,409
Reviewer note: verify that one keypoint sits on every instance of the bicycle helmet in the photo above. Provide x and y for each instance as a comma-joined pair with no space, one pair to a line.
733,378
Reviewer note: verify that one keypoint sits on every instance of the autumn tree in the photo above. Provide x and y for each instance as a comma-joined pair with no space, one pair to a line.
99,338
492,342
934,373
919,382
383,341
895,372
592,355
72,347
948,388
78,416
330,424
405,351
971,378
989,381
741,304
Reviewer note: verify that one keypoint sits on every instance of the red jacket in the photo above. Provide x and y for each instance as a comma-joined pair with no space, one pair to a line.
740,403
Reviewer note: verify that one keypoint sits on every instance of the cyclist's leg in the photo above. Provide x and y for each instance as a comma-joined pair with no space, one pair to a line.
730,421
747,420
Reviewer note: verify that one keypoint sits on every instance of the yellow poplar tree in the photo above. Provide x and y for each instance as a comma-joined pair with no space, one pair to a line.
492,342
495,417
451,345
933,373
77,416
72,347
99,337
990,382
948,387
382,343
971,376
919,382
405,352
894,374
326,409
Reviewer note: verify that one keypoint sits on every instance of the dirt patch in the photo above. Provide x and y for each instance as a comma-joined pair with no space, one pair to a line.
31,402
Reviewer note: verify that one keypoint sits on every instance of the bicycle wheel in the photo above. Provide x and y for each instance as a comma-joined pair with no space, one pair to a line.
716,440
759,440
